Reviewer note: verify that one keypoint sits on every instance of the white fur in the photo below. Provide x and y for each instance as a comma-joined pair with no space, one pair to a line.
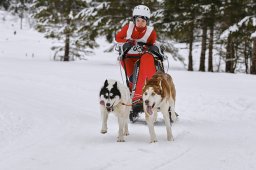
121,111
164,105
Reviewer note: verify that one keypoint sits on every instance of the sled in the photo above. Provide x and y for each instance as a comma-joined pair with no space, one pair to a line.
150,61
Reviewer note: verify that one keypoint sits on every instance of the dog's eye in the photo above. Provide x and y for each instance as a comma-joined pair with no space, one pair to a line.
146,93
153,94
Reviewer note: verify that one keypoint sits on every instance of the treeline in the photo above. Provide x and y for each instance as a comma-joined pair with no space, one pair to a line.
223,27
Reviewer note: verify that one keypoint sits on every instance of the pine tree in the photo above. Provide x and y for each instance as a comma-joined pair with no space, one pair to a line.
232,15
239,27
208,16
57,19
19,8
180,22
5,4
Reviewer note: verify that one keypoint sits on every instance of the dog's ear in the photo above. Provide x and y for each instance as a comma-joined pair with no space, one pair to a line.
106,83
115,85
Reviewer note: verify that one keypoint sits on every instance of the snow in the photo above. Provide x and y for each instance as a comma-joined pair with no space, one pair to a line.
225,34
236,27
253,35
50,117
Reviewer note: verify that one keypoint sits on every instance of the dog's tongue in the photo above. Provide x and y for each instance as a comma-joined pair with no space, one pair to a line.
149,110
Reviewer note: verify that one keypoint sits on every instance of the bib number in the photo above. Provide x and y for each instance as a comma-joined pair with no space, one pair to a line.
136,50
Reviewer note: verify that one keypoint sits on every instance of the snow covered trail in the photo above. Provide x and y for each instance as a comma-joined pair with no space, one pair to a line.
49,119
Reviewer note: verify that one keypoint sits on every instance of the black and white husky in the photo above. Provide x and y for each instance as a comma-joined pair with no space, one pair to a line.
115,97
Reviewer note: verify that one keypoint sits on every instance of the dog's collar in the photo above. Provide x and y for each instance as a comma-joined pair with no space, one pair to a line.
111,108
126,104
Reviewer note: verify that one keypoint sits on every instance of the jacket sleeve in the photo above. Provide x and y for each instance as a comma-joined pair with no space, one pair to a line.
121,35
152,38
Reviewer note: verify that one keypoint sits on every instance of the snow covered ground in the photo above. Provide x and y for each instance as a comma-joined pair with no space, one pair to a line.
50,119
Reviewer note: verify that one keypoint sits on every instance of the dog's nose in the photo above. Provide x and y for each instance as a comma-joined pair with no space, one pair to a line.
146,102
108,104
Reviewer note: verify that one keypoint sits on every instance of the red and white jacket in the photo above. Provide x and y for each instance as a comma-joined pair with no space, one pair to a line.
130,31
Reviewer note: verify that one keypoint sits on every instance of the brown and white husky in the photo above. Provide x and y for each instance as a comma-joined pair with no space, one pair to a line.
159,94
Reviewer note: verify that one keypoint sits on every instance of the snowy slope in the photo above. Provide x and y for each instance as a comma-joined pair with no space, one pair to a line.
15,41
49,116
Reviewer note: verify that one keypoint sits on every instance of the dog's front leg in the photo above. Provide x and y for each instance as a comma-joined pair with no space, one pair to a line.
121,123
126,118
150,121
104,116
126,131
167,124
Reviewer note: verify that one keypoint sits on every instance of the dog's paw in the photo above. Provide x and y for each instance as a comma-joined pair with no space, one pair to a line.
103,131
120,140
153,141
170,139
126,133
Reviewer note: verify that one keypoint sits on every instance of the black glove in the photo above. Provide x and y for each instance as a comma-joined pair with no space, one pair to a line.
126,47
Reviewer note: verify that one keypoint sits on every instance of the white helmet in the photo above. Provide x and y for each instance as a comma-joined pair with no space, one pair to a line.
141,10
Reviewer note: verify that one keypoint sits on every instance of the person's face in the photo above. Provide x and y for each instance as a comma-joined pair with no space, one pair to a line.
141,22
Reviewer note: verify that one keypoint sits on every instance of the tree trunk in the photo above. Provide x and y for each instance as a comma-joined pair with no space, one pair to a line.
210,65
235,57
203,49
67,42
230,56
67,45
253,66
68,4
190,57
246,54
21,19
21,23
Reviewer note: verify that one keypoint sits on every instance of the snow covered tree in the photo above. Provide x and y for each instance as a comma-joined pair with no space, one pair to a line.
18,7
5,4
180,22
208,16
57,19
21,8
91,19
189,20
232,15
212,22
237,26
